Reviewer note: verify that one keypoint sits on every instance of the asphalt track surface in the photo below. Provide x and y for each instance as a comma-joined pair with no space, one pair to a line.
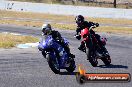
28,68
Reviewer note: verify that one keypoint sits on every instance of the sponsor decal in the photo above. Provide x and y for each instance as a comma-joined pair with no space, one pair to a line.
83,77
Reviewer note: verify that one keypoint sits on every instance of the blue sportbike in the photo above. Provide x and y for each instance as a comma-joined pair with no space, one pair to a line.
56,56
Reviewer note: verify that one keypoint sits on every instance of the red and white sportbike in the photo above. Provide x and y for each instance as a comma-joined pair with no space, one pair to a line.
92,47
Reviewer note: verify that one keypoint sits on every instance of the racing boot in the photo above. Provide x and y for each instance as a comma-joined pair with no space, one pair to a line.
67,49
71,55
81,48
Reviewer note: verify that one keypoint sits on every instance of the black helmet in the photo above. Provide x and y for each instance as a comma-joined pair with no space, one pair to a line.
79,19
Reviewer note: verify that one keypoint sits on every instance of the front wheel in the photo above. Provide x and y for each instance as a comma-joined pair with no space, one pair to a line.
72,66
91,59
87,53
44,54
53,64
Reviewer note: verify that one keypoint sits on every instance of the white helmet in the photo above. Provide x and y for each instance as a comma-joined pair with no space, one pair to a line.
46,29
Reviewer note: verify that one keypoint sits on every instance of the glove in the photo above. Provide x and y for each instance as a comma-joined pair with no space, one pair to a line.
78,36
62,40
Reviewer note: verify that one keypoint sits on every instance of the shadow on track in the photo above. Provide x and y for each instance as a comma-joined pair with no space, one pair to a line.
67,73
113,66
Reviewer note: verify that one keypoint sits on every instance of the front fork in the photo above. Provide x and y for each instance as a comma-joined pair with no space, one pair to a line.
89,50
55,58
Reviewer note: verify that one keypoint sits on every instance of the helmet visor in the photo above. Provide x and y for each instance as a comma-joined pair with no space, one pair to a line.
46,31
79,21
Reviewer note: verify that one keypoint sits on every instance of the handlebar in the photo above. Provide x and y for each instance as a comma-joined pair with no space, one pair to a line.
77,35
94,26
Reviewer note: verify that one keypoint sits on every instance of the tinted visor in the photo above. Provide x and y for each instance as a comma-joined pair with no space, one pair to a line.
46,31
79,21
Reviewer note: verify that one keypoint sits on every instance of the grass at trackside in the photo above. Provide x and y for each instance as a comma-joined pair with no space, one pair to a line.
9,40
120,30
35,16
22,23
107,29
60,18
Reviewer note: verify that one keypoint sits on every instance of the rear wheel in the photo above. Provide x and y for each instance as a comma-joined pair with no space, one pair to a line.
72,66
53,64
93,62
106,60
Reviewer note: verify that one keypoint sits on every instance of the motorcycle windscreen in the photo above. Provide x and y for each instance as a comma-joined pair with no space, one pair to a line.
44,41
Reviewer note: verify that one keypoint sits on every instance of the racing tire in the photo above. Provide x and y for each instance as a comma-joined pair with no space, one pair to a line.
44,54
52,64
87,53
106,60
72,66
93,62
